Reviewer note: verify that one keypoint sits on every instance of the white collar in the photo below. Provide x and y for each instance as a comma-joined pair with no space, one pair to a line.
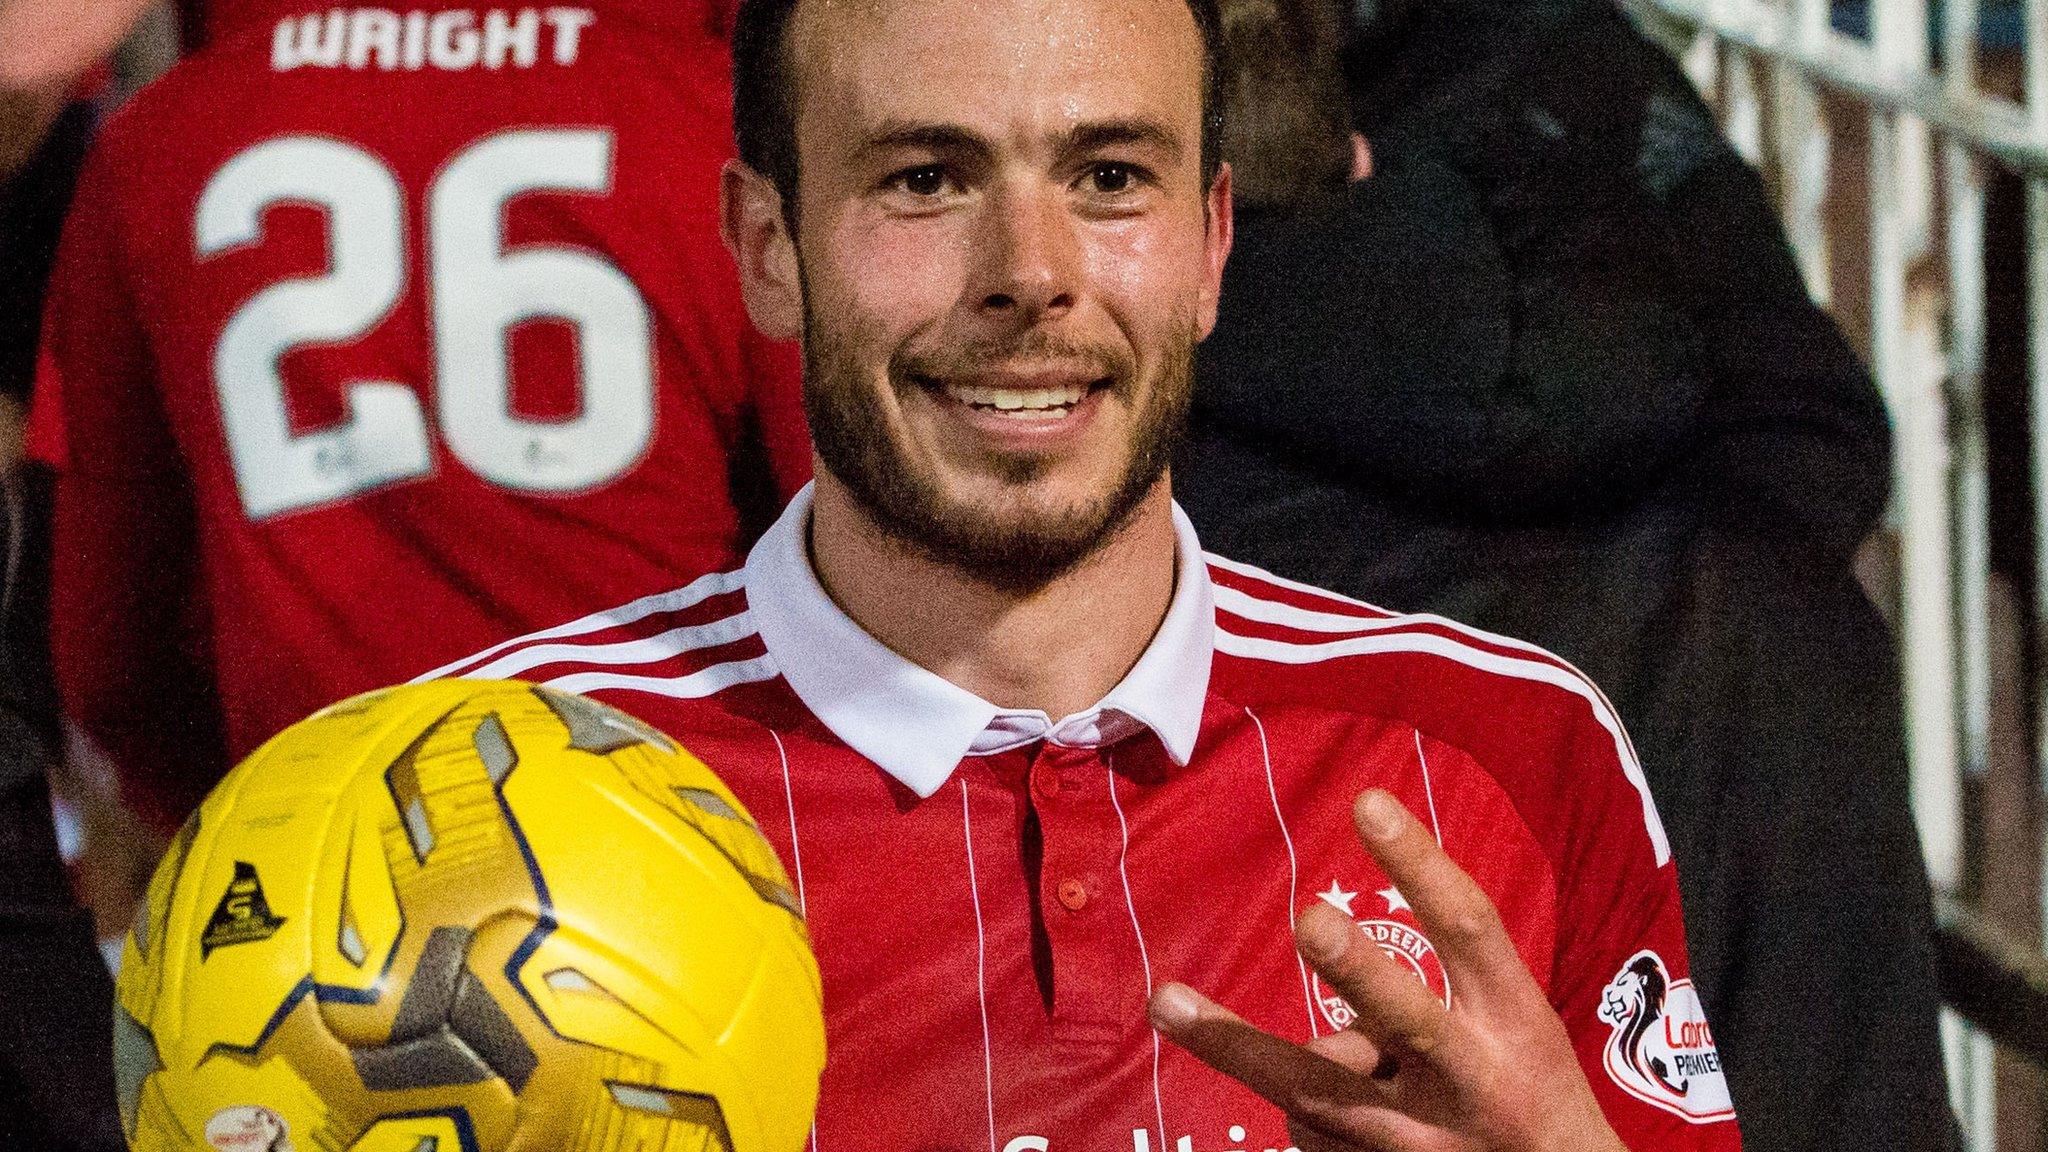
917,725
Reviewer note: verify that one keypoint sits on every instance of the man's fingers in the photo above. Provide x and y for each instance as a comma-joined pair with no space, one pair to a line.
1397,1012
1453,910
1354,1050
1369,1130
1306,1138
1290,1077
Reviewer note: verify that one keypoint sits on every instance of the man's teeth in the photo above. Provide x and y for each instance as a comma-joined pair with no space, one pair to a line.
1030,404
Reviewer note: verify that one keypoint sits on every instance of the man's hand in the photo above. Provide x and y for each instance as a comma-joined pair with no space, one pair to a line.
1494,1071
51,43
117,851
45,46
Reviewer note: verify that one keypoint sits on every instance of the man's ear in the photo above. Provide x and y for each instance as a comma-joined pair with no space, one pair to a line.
751,223
1216,246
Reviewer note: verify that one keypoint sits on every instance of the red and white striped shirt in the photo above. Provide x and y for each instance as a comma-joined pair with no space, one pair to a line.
993,893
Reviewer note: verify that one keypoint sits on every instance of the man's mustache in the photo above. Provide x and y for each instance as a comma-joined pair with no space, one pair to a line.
1040,355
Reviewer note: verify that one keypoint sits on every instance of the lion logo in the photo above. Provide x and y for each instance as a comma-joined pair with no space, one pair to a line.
1661,1050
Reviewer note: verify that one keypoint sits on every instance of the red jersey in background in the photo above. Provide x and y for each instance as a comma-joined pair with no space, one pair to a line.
379,335
993,893
204,20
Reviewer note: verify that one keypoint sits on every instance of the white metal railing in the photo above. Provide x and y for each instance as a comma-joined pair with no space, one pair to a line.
1927,341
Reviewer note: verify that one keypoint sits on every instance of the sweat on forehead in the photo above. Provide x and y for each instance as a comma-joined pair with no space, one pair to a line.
881,59
1011,73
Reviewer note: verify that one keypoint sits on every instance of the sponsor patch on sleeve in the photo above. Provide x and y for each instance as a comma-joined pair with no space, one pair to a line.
1661,1051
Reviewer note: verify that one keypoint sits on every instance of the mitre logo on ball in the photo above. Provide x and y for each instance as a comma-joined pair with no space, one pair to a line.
1397,935
243,916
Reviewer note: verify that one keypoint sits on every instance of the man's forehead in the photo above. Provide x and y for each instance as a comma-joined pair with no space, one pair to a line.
1002,66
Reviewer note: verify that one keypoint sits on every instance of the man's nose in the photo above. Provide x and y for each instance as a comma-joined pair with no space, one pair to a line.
1027,257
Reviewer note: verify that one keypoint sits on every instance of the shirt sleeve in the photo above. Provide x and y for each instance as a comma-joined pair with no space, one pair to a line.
1622,979
127,628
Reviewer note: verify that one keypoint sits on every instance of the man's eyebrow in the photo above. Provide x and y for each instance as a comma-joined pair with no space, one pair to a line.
1098,134
952,139
893,135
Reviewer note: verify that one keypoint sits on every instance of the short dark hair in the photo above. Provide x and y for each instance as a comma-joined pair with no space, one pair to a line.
764,105
1281,81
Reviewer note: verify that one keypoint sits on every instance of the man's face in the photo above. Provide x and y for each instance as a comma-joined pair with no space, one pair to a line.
1007,255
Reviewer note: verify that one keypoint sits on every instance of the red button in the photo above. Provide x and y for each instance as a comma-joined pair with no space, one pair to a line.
1045,782
1074,895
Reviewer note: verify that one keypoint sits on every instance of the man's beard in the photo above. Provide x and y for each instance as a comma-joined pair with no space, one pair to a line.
1015,552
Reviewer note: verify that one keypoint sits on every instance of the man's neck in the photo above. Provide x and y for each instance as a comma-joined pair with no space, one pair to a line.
1059,648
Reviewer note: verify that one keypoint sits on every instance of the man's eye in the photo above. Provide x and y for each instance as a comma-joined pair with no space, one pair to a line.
1112,179
928,180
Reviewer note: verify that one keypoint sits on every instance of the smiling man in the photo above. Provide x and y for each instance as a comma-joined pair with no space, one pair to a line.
1039,767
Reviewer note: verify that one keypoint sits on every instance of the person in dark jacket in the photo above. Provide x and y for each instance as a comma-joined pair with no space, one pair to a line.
1550,371
56,1000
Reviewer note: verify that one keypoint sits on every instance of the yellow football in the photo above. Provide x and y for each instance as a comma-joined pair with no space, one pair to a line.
469,916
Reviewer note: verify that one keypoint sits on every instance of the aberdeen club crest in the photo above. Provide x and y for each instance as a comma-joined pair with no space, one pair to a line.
1397,935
